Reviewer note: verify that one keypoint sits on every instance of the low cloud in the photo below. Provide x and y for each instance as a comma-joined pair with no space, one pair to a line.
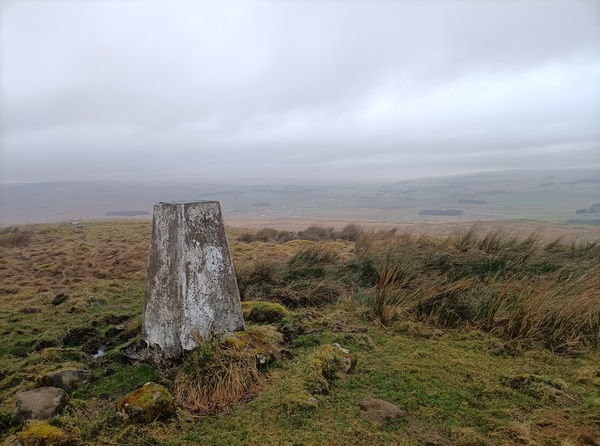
296,91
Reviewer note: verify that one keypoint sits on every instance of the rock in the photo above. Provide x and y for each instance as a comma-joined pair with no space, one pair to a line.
135,351
66,379
43,434
347,358
79,336
148,403
59,299
192,289
95,301
380,411
41,403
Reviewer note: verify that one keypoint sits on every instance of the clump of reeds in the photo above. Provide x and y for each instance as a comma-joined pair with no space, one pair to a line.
392,291
559,314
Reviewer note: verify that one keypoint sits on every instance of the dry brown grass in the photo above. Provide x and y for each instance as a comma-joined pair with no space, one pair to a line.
15,237
386,297
560,314
522,289
215,377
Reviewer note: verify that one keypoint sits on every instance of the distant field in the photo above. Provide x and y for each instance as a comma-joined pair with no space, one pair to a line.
551,196
522,228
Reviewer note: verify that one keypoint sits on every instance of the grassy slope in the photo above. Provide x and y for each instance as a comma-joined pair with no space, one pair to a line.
456,384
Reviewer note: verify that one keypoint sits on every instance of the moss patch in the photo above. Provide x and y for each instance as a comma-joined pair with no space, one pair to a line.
264,312
43,434
324,366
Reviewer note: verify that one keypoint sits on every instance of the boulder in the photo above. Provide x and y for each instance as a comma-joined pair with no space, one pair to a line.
66,379
380,411
149,403
41,403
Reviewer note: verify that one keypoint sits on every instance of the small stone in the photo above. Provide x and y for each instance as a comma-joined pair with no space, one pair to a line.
41,403
149,403
380,411
95,301
66,379
59,299
135,351
348,359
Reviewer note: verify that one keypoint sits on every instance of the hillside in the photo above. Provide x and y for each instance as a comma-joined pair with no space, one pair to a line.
481,338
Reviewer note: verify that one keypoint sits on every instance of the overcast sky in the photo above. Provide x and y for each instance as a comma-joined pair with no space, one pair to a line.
295,91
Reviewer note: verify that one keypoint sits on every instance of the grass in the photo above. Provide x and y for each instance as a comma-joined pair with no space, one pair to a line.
481,337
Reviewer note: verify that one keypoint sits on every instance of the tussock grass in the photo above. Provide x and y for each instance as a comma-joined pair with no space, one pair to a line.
214,377
384,301
521,289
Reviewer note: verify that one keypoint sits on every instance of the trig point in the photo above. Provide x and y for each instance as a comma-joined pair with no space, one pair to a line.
191,280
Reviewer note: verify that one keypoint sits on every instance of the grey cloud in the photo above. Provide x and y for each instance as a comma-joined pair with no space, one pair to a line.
295,91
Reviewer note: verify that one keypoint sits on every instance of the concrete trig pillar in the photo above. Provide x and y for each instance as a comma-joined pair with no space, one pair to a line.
191,280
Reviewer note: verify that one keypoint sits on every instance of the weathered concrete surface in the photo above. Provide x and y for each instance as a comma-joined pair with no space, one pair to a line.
191,280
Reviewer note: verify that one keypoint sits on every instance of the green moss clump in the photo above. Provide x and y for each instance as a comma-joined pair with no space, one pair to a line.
43,434
324,365
263,340
148,403
263,312
305,322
